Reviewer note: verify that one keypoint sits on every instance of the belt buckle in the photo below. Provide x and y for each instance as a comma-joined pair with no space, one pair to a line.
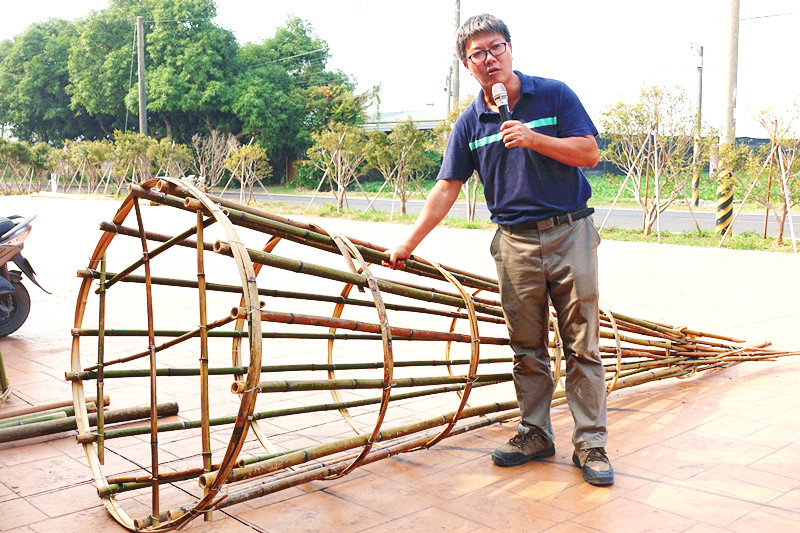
546,224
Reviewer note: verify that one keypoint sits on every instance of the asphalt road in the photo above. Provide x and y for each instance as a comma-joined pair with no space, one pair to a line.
670,220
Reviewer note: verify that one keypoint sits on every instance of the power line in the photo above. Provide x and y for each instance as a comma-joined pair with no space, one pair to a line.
768,16
289,57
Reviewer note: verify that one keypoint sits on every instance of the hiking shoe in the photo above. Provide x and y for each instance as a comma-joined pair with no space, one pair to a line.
523,447
595,466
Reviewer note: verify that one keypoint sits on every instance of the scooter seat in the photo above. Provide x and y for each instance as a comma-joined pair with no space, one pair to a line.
5,225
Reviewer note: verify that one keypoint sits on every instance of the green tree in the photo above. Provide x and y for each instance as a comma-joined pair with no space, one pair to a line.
24,169
100,63
769,174
651,140
339,151
131,162
191,66
210,153
169,158
399,157
284,93
267,113
247,164
33,77
89,158
437,142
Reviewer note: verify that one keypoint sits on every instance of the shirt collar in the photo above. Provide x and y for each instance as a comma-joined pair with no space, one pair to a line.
527,87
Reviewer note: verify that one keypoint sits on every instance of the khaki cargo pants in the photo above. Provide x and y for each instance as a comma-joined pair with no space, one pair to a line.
560,262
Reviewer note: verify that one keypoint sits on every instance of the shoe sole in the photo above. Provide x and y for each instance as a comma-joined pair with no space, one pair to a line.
521,459
590,478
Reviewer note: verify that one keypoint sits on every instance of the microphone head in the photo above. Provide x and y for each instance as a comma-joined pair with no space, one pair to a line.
499,94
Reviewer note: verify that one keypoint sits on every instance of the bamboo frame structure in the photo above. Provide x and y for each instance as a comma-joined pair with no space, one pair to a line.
346,384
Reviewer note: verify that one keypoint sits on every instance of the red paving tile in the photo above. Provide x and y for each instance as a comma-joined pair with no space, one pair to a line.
716,452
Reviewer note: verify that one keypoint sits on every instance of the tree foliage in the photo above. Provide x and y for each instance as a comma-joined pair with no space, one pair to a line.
399,157
61,80
210,153
339,152
247,164
33,78
100,63
651,140
769,174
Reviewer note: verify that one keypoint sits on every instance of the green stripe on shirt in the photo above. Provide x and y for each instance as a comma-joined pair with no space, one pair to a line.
549,121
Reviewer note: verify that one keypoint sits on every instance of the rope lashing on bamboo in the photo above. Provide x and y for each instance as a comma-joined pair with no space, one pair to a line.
343,389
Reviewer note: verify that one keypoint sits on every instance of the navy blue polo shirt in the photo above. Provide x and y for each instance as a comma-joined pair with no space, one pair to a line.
521,185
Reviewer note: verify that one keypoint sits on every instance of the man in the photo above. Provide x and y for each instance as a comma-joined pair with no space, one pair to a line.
545,244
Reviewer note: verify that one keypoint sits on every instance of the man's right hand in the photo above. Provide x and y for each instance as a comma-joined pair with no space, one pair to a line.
397,257
440,200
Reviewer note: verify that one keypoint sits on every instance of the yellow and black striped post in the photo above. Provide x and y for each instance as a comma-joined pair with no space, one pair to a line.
724,201
696,189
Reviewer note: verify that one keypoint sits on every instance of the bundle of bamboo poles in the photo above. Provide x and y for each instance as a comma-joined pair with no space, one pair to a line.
330,366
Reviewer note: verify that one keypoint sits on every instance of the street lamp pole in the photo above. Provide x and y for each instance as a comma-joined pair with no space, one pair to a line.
698,120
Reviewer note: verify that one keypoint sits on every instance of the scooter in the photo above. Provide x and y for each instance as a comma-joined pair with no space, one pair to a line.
15,302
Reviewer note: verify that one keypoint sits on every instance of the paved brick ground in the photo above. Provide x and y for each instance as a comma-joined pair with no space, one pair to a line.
715,452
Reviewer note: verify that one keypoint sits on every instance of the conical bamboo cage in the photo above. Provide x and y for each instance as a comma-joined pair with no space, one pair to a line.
308,358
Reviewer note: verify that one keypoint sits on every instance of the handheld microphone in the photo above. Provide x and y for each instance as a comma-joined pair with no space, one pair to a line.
501,99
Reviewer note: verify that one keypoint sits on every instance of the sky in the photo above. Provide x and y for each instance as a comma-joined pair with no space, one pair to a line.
605,51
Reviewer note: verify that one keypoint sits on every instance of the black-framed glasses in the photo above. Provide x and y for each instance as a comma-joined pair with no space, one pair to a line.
495,50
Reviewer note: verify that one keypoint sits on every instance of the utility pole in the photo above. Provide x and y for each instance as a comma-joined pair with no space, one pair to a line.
728,135
456,59
142,95
448,87
698,122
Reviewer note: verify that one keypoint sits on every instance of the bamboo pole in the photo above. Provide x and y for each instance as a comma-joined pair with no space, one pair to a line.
160,249
329,384
357,325
308,367
278,413
34,419
152,356
295,295
322,450
254,219
61,425
66,405
119,229
26,418
359,280
101,326
204,400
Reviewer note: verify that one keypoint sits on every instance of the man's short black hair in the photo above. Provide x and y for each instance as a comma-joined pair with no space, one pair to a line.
484,23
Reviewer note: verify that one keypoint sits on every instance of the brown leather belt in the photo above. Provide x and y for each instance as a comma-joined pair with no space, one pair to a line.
553,221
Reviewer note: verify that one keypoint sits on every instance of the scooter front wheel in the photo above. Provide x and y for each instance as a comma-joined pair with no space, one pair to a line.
18,304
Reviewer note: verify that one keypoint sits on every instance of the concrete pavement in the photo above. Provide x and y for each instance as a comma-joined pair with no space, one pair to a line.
716,452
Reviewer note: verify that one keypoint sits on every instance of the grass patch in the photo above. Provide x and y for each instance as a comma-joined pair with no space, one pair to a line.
329,211
748,240
742,241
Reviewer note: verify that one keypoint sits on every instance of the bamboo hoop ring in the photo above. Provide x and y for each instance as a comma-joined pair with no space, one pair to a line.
388,358
247,403
618,367
236,354
448,344
474,358
558,350
338,309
